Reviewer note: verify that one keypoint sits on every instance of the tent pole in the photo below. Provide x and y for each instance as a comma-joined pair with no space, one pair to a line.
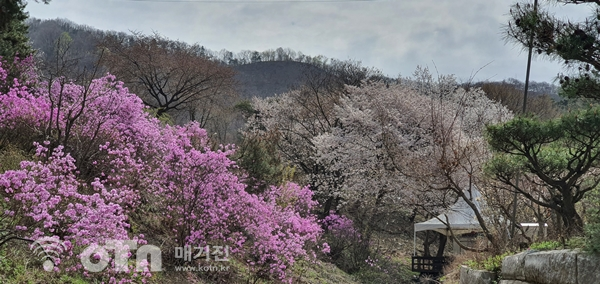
414,242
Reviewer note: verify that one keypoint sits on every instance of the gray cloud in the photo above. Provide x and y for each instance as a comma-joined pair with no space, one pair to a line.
395,36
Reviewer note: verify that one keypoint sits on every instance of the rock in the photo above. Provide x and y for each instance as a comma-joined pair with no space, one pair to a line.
588,267
471,276
512,266
546,267
557,267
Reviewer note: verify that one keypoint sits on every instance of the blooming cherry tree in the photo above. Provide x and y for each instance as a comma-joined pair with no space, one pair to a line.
380,146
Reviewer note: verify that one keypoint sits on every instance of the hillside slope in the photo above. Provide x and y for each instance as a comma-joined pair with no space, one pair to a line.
263,79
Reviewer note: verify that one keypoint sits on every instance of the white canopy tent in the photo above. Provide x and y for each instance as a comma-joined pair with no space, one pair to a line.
460,217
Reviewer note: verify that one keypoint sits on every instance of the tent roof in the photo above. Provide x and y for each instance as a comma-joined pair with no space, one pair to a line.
460,216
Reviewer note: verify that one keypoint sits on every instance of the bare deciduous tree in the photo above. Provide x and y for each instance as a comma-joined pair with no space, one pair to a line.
168,75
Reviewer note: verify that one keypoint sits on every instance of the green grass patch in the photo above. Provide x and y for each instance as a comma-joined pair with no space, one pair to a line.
492,263
573,243
546,245
307,272
20,265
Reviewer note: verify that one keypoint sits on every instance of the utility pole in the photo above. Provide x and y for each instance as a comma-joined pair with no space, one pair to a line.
535,4
523,112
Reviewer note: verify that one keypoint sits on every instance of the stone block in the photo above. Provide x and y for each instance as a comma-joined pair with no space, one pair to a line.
471,276
588,268
512,266
556,267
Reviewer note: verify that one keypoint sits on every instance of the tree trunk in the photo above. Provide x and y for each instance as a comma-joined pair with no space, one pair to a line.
442,247
539,215
327,207
426,244
573,224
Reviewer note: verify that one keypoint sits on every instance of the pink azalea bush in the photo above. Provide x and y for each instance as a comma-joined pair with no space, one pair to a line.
49,194
340,226
98,163
281,229
346,247
207,204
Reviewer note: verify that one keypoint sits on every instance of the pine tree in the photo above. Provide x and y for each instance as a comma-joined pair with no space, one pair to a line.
13,30
577,44
560,156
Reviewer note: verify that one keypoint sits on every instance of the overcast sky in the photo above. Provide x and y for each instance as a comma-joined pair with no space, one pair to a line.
459,36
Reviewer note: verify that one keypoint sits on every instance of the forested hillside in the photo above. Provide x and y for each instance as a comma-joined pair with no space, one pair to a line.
258,73
265,79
